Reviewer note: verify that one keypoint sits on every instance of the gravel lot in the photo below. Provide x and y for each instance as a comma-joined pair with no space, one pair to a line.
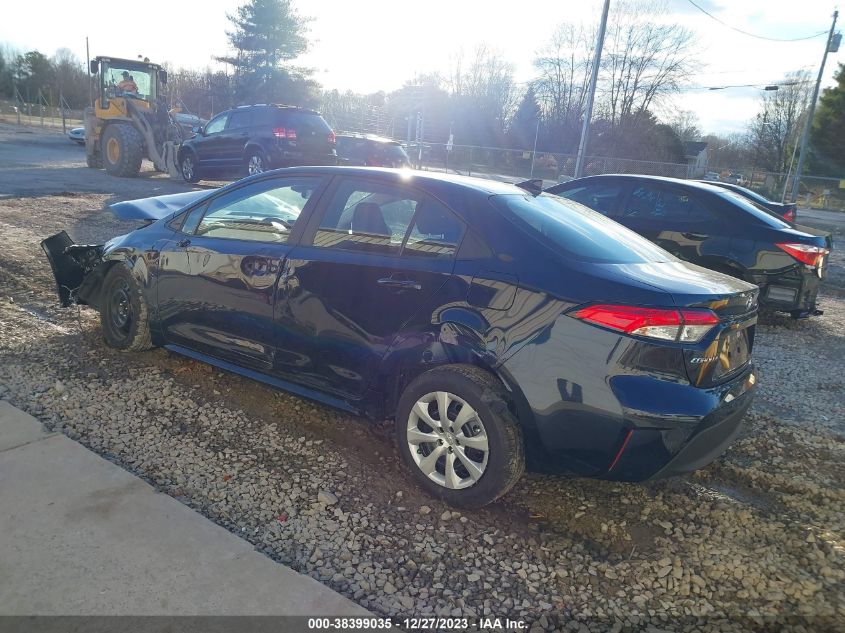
755,542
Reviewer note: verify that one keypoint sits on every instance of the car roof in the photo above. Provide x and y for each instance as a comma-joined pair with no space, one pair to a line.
696,184
411,176
278,106
367,137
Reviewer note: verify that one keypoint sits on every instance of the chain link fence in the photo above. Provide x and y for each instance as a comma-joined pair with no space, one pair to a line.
38,114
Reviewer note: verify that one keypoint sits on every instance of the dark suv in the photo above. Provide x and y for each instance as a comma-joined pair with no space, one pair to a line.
370,151
253,139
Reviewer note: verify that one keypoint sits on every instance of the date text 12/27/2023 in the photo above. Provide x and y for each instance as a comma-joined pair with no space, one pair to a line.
417,624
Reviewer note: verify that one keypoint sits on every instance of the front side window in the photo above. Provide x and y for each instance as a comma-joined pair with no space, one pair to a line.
217,124
599,197
262,213
367,216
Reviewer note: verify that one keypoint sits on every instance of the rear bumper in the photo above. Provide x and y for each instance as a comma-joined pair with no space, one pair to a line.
793,291
294,158
659,453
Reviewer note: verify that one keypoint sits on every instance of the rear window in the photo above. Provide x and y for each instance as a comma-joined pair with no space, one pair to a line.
305,122
579,232
756,211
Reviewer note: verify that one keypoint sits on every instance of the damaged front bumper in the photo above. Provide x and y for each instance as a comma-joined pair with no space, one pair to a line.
76,267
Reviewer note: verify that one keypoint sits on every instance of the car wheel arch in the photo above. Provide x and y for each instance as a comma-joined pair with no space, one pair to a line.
397,373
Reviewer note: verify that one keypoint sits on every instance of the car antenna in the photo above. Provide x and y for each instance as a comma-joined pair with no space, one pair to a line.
533,186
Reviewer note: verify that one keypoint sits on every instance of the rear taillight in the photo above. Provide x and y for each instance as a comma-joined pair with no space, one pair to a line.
332,138
285,132
374,161
789,215
665,324
805,253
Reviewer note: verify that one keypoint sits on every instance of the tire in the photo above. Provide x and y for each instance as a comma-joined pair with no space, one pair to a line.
95,160
124,313
122,150
256,163
495,471
188,167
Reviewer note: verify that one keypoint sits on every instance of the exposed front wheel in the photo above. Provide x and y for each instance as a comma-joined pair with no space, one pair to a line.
124,313
458,437
94,159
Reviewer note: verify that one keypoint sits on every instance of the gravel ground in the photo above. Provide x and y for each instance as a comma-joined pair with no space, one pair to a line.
755,542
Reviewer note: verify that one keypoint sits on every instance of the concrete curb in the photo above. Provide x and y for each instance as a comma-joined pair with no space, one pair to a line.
81,536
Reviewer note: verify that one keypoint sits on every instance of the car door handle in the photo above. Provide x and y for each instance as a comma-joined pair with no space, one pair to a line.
399,284
183,243
694,236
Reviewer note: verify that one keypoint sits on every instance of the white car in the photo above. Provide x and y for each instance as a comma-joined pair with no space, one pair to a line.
77,134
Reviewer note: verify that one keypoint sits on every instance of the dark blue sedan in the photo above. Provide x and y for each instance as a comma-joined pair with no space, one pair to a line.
498,325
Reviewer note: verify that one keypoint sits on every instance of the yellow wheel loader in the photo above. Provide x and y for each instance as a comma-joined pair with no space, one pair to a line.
129,120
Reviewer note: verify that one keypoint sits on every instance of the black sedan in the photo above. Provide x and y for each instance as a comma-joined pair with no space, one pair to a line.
786,210
491,322
715,228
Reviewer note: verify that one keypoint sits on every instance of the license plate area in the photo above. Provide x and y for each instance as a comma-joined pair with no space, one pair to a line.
724,357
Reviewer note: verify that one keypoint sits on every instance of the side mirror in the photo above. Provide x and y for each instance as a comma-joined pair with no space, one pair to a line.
95,67
197,129
162,77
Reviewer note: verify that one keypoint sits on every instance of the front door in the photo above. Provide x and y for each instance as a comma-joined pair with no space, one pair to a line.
368,261
209,146
220,293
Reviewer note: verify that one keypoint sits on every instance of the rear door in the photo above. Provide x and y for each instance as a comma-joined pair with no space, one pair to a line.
676,219
372,256
218,289
235,137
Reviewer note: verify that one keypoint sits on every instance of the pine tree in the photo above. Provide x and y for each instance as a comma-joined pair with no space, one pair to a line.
523,126
267,35
828,136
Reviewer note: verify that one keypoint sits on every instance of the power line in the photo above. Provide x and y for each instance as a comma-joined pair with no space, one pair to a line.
759,37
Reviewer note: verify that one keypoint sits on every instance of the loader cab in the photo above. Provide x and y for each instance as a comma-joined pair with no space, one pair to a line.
142,86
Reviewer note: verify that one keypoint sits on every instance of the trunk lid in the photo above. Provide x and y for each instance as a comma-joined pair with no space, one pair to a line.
720,358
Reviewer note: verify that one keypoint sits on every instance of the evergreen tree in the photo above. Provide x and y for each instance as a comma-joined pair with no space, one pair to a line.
828,136
267,35
523,126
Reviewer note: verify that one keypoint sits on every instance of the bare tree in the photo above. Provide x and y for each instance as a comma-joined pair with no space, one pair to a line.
685,124
644,59
774,131
563,68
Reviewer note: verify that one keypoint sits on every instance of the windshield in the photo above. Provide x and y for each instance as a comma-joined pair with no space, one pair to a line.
579,232
128,80
758,212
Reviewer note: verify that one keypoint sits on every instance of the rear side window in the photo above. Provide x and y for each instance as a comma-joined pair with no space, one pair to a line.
665,205
576,231
435,232
367,216
240,119
601,197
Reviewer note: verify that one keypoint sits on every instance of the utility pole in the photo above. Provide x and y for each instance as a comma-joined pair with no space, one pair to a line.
588,114
534,151
809,124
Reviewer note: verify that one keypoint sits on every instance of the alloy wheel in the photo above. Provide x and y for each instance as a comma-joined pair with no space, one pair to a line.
187,168
447,440
255,165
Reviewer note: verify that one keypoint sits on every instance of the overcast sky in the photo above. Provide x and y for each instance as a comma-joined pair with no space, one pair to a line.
369,45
